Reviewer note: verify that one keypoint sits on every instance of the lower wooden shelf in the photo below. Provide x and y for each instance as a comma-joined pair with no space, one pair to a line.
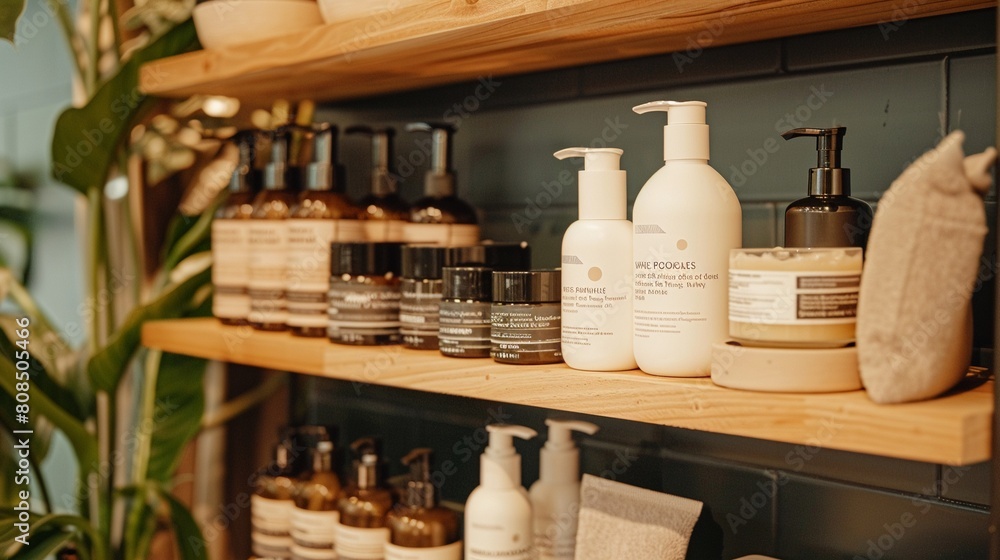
953,430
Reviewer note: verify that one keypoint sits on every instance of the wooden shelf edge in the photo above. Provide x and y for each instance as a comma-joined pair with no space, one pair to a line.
448,41
953,430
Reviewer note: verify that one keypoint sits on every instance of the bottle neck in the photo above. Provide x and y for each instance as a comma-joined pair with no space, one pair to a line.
439,184
322,462
367,477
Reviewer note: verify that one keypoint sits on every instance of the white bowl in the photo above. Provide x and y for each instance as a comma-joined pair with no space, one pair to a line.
224,23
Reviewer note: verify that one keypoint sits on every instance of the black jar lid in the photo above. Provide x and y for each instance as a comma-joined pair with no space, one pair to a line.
423,261
534,286
468,282
367,259
498,256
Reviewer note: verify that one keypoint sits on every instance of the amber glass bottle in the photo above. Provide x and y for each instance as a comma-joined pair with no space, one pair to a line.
272,503
231,237
364,505
314,520
384,211
419,522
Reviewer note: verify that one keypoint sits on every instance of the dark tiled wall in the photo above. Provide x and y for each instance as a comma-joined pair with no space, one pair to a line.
898,88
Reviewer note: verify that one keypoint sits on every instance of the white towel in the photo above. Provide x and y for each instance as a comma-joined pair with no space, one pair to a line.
622,522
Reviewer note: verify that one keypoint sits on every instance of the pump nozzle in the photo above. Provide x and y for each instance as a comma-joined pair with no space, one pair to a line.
323,172
274,171
246,145
500,465
419,490
439,180
384,181
686,135
559,459
603,193
366,462
829,143
502,438
827,178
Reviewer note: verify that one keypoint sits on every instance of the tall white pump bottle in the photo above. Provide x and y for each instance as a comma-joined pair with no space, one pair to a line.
555,498
597,267
687,218
498,521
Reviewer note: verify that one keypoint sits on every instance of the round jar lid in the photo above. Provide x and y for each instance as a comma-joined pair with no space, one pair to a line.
468,282
368,259
533,286
423,261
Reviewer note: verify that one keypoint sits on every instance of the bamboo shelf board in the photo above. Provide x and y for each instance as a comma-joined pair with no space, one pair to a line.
954,429
437,42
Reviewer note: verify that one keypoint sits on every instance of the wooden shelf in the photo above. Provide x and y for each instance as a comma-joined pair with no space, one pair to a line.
952,430
445,41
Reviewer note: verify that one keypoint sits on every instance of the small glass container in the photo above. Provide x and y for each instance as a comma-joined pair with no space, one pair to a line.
526,317
794,298
364,293
464,326
421,296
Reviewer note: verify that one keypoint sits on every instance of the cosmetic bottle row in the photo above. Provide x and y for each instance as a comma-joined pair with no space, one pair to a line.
301,511
280,217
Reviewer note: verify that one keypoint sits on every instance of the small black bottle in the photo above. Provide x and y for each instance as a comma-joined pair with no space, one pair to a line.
829,216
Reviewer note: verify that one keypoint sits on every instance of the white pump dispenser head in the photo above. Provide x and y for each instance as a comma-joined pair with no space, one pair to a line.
603,194
500,464
559,459
686,134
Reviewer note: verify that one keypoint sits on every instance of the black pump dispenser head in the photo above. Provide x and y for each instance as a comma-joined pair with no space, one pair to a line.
827,178
366,462
439,181
419,489
384,182
242,179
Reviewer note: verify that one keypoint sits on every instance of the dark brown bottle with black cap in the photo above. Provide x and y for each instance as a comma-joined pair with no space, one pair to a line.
419,528
322,215
364,505
364,293
440,217
829,216
384,211
231,236
269,241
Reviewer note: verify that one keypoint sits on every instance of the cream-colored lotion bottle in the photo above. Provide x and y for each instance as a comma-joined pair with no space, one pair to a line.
597,268
686,220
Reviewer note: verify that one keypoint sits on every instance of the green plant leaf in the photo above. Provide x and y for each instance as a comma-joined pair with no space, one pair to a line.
190,542
86,140
106,368
10,11
51,532
180,403
8,488
194,238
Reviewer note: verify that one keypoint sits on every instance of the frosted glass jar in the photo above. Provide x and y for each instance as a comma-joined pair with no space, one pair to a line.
794,298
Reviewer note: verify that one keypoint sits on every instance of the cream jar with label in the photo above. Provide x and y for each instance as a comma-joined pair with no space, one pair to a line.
364,293
526,317
794,298
464,325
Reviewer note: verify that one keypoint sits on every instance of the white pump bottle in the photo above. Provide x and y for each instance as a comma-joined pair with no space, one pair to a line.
687,219
555,498
498,512
597,267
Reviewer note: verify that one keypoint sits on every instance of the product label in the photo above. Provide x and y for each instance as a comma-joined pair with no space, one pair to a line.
418,313
358,310
451,551
231,268
772,297
679,289
355,543
271,517
314,529
268,256
596,306
451,235
526,333
305,553
308,267
555,535
464,329
485,541
379,231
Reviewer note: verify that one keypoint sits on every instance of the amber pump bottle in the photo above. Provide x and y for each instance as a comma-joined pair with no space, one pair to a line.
314,520
384,211
829,216
231,236
269,242
272,504
440,216
322,215
419,522
364,505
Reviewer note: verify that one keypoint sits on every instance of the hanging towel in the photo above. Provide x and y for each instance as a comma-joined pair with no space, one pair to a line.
622,522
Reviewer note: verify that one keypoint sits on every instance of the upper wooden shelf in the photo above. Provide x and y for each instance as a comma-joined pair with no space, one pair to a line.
953,430
445,41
